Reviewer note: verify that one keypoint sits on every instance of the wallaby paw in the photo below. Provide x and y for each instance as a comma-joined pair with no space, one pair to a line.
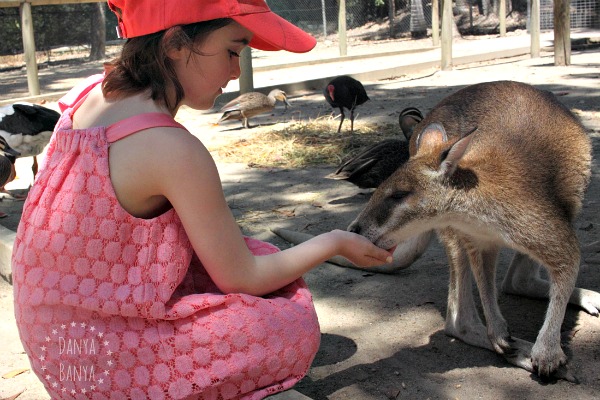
546,362
503,345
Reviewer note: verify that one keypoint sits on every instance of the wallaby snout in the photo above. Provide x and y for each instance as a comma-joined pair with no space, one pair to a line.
516,181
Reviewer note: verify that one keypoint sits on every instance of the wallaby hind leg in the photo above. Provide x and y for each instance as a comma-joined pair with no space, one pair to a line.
523,279
462,319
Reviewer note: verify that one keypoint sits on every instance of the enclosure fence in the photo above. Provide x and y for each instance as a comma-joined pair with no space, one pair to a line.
69,24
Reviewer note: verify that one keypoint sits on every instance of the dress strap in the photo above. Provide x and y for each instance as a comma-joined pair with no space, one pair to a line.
137,123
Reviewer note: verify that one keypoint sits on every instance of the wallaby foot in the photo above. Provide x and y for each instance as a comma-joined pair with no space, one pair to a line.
586,299
523,279
521,357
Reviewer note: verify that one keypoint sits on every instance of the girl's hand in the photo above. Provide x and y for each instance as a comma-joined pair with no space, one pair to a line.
359,250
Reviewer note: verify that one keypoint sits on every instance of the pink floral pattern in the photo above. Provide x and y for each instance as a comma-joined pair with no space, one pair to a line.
110,306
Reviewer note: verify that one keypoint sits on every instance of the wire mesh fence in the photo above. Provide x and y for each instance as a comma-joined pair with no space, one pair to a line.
321,17
583,14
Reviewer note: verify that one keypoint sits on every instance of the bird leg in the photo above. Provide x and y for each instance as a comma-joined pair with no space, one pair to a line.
34,167
341,119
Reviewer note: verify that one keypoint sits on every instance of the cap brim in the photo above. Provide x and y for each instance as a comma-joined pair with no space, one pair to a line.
271,32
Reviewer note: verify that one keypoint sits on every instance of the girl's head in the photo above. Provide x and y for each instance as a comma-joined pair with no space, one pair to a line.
164,36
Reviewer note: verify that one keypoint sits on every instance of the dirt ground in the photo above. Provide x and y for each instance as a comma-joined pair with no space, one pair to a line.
382,335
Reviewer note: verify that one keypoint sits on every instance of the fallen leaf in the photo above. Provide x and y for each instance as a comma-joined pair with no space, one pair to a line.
14,372
13,396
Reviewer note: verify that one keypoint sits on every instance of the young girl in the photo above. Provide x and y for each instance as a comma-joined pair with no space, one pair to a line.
131,277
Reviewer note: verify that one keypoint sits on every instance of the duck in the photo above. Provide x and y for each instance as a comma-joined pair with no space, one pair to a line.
250,104
408,119
373,165
345,92
27,128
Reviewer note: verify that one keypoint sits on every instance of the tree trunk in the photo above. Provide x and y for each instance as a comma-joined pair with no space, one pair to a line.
98,32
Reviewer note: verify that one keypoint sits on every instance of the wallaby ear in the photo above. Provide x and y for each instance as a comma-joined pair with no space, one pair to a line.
455,154
433,135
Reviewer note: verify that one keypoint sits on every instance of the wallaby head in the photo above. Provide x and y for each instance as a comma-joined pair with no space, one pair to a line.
514,153
412,200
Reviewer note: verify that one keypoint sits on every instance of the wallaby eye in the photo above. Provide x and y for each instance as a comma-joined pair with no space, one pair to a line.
399,195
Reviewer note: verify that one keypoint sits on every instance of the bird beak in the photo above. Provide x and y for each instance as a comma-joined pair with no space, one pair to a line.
286,103
9,150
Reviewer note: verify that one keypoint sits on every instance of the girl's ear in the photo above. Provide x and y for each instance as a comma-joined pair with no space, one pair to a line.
174,44
176,53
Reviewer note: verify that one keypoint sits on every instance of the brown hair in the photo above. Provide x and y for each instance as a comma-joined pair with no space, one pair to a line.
144,65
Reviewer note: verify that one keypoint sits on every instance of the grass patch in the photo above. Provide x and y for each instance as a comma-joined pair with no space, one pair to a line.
303,143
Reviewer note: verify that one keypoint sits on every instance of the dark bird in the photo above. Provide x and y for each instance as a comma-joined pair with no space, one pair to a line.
345,92
27,128
373,165
8,155
250,104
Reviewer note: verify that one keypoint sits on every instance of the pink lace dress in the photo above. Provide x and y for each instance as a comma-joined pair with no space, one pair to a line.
110,306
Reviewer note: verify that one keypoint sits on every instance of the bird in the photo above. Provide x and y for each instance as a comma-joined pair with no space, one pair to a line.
408,118
345,92
249,104
27,128
373,165
8,156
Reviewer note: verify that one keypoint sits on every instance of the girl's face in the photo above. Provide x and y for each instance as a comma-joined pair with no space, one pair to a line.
204,72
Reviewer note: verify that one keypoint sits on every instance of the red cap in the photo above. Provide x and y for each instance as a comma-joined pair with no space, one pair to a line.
271,32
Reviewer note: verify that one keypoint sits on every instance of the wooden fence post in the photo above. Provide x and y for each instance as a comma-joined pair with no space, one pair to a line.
502,17
247,76
342,28
534,28
435,22
29,49
562,33
447,22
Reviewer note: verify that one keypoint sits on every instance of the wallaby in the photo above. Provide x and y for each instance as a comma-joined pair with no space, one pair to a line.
498,164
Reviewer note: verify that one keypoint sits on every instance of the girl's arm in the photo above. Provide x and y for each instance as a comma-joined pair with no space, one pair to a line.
180,168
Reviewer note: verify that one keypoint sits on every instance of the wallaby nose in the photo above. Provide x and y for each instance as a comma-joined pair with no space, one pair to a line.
354,227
